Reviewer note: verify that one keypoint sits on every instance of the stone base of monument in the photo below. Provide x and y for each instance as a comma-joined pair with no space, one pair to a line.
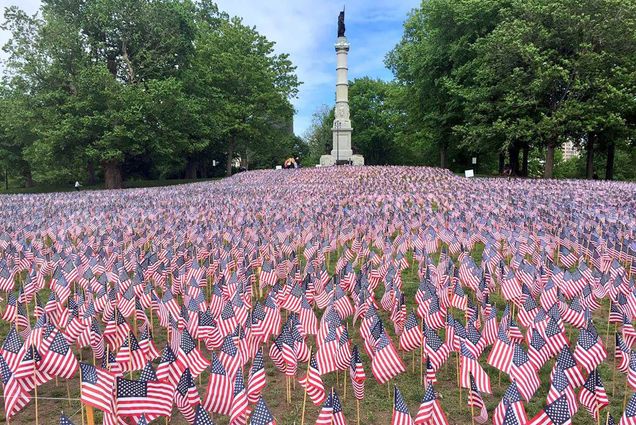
357,160
329,160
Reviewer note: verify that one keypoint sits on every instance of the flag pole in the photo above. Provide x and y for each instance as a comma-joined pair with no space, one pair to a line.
302,417
459,383
80,372
37,421
421,354
344,386
358,410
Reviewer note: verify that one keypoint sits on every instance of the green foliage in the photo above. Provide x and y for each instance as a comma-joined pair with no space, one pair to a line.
149,88
483,77
318,137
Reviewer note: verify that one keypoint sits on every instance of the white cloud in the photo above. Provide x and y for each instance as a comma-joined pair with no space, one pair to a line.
306,29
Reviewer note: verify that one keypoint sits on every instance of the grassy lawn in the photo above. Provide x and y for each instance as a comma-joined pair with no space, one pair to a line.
132,184
377,406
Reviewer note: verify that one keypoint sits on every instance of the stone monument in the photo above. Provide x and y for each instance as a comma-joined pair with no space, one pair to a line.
341,152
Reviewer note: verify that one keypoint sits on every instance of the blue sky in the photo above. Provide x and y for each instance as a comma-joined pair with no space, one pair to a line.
306,29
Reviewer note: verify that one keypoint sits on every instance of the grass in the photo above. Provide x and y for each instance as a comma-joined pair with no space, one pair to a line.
377,406
131,184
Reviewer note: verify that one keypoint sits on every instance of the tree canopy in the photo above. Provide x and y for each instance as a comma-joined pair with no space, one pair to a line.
109,88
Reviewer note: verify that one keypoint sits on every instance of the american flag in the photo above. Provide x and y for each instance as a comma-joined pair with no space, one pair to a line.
325,417
589,351
201,417
238,413
411,337
470,366
59,359
401,415
386,364
97,386
261,414
511,408
593,395
568,364
218,397
560,385
186,396
312,383
523,373
256,380
135,398
430,411
15,397
555,413
476,402
64,420
356,373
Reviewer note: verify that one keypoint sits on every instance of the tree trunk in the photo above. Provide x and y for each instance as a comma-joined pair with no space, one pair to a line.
443,155
609,167
514,159
90,168
230,157
549,161
112,175
524,163
28,178
191,170
589,167
502,162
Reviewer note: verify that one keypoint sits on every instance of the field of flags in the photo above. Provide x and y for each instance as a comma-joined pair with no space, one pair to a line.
366,295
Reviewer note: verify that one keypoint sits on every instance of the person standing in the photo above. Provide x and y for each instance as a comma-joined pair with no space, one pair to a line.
77,185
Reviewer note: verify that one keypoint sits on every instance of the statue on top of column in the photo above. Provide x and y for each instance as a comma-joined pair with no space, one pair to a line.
341,24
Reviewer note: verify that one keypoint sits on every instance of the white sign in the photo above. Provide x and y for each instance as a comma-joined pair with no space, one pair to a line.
279,167
474,160
469,173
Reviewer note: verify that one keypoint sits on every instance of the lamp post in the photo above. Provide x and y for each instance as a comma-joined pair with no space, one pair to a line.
338,126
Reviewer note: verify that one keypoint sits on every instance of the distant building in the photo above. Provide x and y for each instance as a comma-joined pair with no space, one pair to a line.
569,150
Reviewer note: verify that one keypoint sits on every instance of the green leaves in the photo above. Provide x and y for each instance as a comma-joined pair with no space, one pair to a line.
147,87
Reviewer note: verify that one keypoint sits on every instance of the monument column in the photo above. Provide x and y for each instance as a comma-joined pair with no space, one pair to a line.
341,152
342,123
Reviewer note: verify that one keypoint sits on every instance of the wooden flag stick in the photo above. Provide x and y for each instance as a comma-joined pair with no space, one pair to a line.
413,360
130,351
37,421
68,393
609,310
80,372
625,395
472,413
358,411
90,415
421,354
344,384
302,417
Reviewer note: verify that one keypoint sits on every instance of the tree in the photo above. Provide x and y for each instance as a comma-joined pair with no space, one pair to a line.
552,71
243,84
429,62
372,117
318,136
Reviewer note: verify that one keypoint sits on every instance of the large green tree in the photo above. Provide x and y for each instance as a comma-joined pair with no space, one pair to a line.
429,62
551,71
149,88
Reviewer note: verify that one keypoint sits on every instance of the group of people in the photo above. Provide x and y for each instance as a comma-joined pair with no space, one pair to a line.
291,163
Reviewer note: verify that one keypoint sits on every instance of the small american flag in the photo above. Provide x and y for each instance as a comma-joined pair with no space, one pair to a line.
401,415
135,398
97,386
261,414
